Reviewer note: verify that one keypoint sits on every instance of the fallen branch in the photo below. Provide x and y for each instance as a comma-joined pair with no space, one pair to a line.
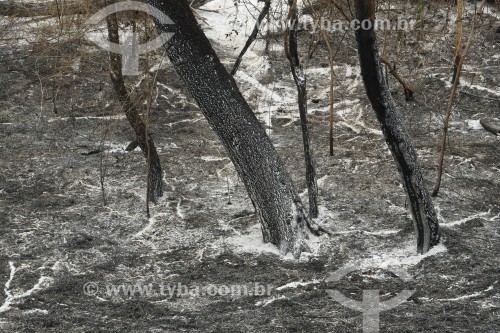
490,126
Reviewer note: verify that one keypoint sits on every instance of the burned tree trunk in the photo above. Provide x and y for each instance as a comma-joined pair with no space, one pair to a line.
143,139
396,136
269,185
300,81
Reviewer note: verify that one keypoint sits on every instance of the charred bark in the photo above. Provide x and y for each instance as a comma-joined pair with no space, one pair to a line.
143,139
396,136
269,185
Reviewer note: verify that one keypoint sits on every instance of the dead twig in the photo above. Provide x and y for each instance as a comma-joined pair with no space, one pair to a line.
253,35
392,69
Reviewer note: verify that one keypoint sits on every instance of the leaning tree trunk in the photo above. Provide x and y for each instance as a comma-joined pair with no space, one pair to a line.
396,136
131,110
269,185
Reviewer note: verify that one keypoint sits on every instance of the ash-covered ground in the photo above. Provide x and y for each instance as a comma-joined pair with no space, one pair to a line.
62,135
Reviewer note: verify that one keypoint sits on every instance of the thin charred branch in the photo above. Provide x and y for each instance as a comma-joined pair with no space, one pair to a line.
347,17
396,136
392,69
253,35
332,90
458,38
143,139
451,99
313,45
300,81
283,220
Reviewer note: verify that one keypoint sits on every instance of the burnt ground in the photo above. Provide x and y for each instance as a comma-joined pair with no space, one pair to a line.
56,235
